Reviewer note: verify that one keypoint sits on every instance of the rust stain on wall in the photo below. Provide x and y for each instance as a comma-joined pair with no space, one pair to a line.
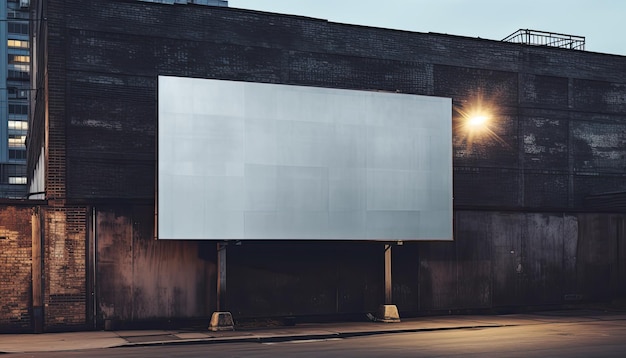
141,278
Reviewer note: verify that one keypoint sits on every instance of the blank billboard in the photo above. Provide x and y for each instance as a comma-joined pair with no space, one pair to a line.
245,161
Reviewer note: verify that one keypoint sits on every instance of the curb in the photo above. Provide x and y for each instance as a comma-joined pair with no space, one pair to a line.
302,337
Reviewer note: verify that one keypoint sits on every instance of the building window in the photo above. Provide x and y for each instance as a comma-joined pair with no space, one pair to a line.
17,93
18,125
16,154
18,28
17,180
16,14
18,108
19,58
18,44
18,75
19,67
17,141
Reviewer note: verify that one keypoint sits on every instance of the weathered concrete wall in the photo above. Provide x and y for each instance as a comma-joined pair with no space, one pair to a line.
140,278
15,268
601,264
499,260
509,259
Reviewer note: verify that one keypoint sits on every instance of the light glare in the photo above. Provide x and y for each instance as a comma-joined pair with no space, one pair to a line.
477,120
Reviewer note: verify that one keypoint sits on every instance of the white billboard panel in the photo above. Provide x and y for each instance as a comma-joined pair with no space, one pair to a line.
240,160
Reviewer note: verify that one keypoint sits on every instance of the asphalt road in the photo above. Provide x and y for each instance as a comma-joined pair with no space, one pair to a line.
587,339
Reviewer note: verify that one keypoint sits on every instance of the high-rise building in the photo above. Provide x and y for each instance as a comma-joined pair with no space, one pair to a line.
14,93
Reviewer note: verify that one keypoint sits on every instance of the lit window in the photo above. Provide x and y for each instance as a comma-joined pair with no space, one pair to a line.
17,141
17,180
19,58
18,125
19,67
17,43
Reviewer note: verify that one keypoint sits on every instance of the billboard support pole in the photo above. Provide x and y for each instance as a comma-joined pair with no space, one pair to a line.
221,276
388,312
221,320
388,284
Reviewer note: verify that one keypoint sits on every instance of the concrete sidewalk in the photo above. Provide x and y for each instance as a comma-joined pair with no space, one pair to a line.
14,343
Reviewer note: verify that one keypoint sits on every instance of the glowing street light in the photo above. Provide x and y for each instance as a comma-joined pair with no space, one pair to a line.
477,120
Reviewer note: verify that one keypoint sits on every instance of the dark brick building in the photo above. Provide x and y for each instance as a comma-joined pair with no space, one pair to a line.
533,223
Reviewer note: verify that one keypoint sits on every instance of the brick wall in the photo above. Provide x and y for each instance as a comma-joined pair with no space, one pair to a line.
558,111
55,89
15,268
65,267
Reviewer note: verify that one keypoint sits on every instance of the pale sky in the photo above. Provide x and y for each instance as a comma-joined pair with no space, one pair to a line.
601,22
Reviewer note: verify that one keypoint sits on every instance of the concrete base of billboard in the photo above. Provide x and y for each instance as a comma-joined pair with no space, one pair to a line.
221,321
388,314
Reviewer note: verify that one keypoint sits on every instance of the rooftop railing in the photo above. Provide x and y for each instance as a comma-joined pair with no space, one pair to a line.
542,38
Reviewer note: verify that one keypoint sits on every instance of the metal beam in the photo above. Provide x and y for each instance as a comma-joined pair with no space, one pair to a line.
221,276
388,284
